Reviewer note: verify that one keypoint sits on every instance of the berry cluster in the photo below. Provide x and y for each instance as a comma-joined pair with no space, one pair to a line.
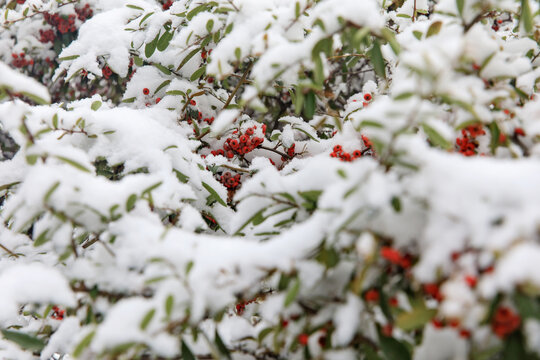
395,257
240,307
46,36
345,156
290,153
61,23
106,71
84,12
468,143
19,60
167,4
229,181
505,322
58,314
242,143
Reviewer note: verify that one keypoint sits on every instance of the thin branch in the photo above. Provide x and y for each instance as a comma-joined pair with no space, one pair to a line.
8,251
275,151
238,85
7,23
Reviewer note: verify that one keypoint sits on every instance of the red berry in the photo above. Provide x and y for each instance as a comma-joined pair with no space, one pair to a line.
367,97
464,333
372,295
193,102
471,280
146,91
387,330
391,254
519,131
393,302
303,339
158,100
502,138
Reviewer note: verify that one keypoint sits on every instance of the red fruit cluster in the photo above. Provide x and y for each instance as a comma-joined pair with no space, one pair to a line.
433,290
46,36
345,156
242,143
167,4
61,23
84,12
58,314
230,182
505,322
290,152
468,144
20,61
240,307
107,72
395,257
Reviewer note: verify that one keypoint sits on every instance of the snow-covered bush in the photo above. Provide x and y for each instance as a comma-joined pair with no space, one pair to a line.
278,179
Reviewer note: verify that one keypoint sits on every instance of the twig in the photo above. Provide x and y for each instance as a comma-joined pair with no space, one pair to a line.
8,251
7,23
234,6
238,85
275,151
235,168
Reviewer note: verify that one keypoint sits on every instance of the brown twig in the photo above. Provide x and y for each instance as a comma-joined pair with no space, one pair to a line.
8,251
240,82
275,151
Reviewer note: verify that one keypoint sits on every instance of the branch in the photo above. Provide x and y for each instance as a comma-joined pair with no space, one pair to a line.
238,85
274,151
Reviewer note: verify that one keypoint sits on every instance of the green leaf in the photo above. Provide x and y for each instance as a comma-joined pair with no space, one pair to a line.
195,11
403,96
181,177
459,5
495,133
210,25
297,10
38,100
65,58
526,16
238,53
73,163
377,59
147,318
213,194
129,100
292,293
188,57
514,347
142,21
435,138
169,303
130,203
328,257
85,342
162,68
527,306
391,38
95,105
264,333
162,85
434,29
50,191
135,7
393,349
164,41
198,73
256,219
150,48
25,341
55,121
221,346
186,352
152,187
309,105
41,239
311,196
396,203
415,319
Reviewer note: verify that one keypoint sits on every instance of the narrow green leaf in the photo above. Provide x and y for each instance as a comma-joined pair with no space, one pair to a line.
459,5
292,293
73,163
210,25
309,105
188,57
150,48
256,219
164,41
169,303
435,138
85,342
181,177
130,203
41,239
198,73
50,191
221,346
135,7
65,58
55,121
214,194
37,99
129,100
393,349
526,16
186,352
25,341
147,318
144,19
377,59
